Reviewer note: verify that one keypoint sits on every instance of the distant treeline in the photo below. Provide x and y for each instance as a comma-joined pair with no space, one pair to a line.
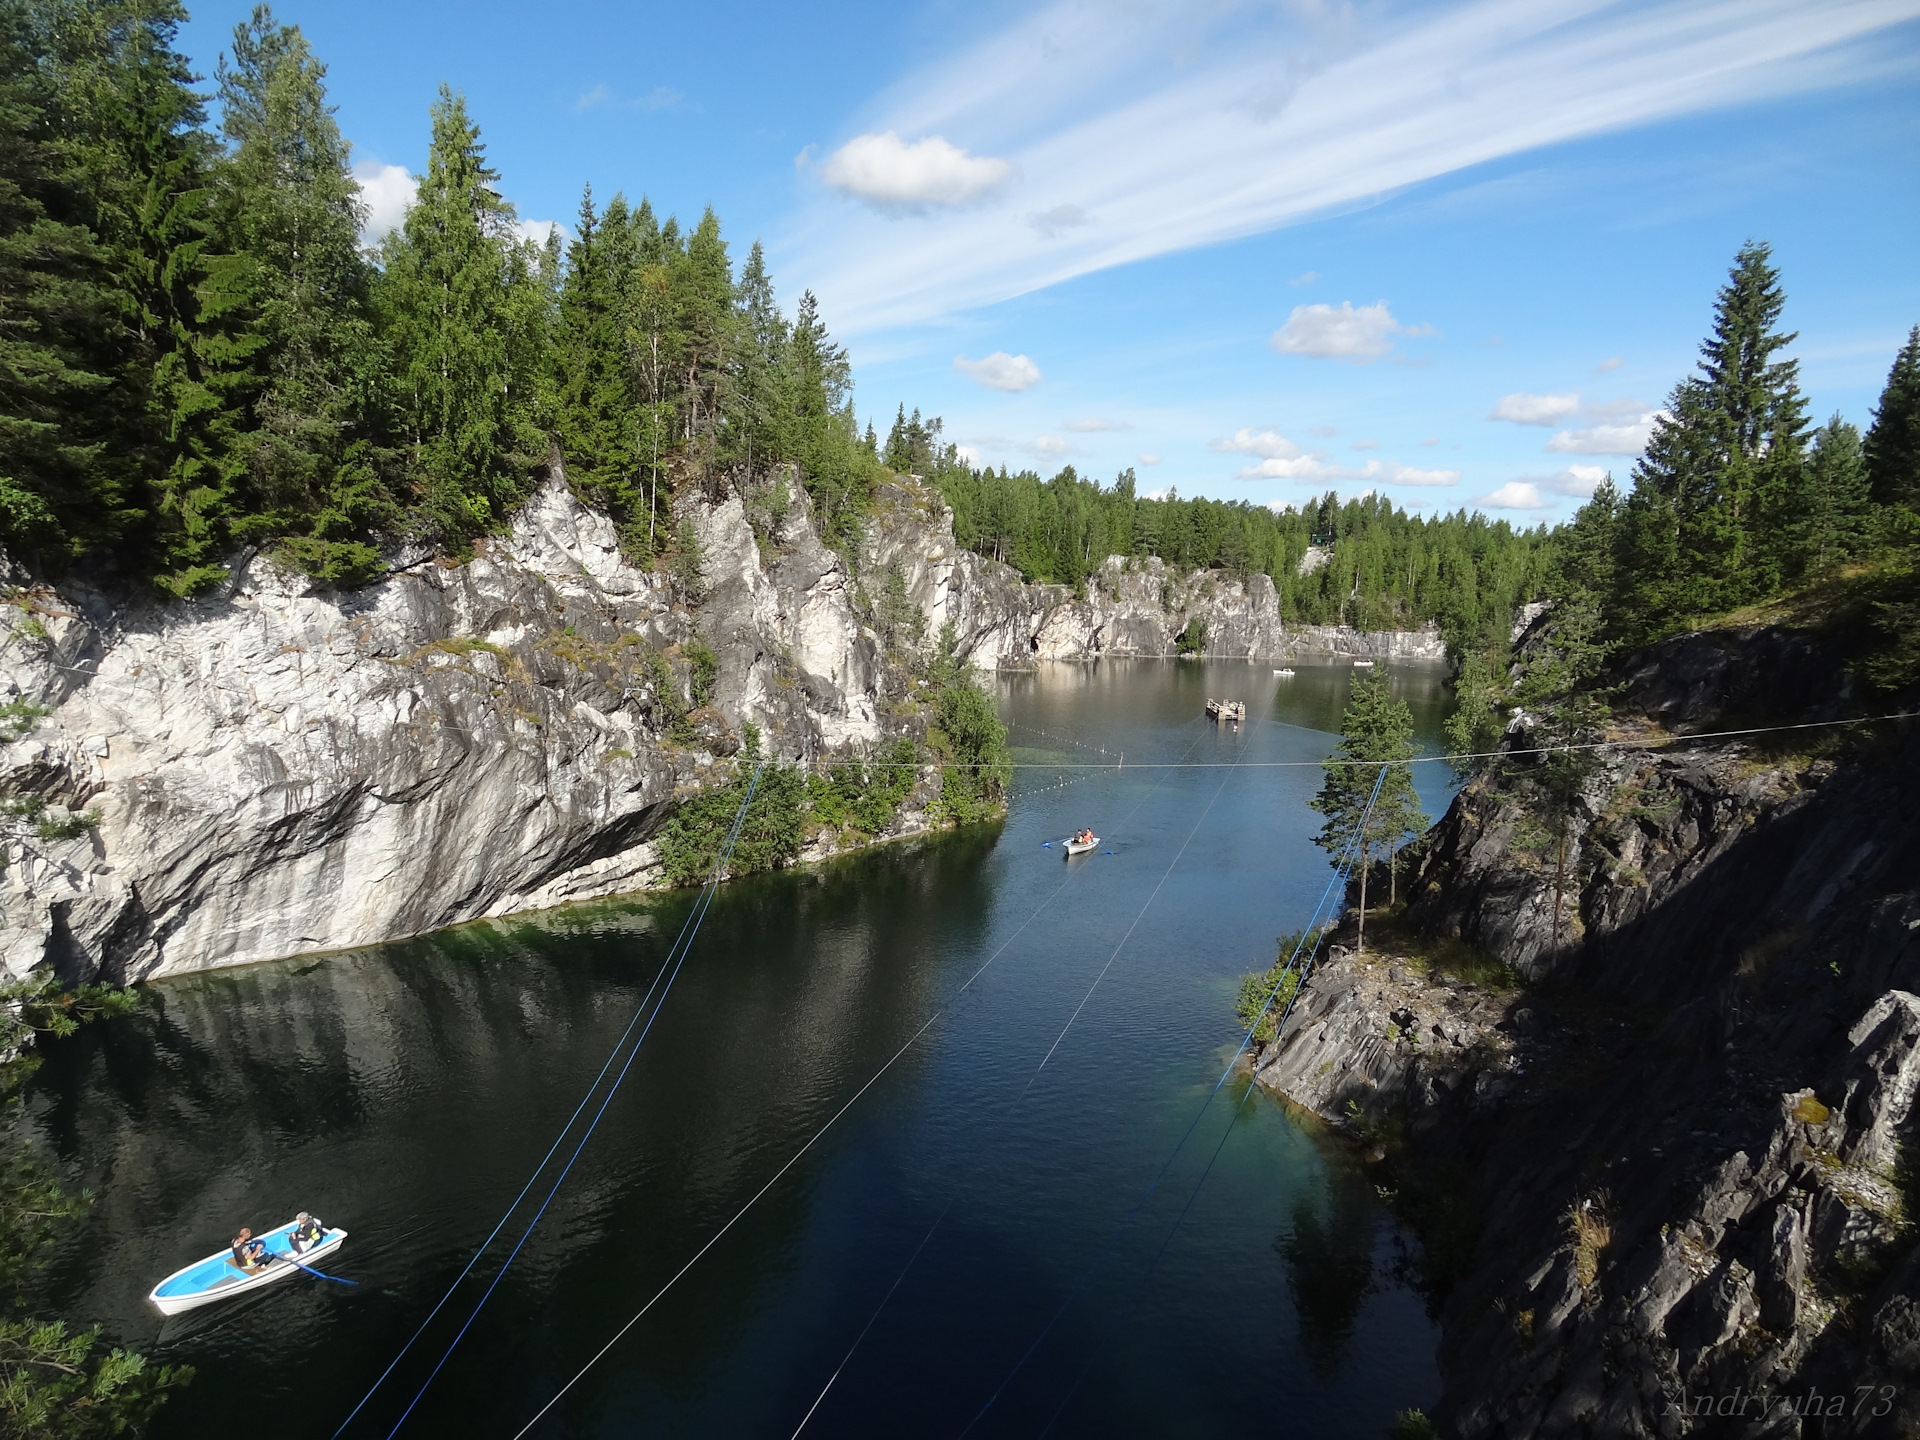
1385,569
196,354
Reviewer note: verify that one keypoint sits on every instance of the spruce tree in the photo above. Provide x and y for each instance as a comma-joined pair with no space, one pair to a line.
597,420
1375,731
456,299
292,209
1893,440
65,487
1711,523
1836,506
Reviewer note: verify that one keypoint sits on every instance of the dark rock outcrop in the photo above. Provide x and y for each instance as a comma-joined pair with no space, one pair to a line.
1676,1185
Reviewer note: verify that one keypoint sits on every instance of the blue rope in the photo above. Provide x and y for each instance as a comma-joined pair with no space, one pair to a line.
1351,852
705,903
612,1055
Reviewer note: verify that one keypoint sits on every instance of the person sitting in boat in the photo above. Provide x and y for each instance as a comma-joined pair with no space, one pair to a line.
305,1234
248,1253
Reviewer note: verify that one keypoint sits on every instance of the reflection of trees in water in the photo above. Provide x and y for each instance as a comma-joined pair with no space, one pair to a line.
1329,1255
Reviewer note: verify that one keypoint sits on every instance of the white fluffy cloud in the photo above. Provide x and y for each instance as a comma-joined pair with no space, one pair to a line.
1148,458
890,173
1301,467
970,455
1049,446
1092,425
1059,220
1267,444
1514,495
1408,475
1000,371
387,192
1364,445
1623,439
1343,332
1546,410
1612,362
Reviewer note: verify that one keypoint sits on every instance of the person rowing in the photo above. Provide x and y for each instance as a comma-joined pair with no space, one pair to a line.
249,1254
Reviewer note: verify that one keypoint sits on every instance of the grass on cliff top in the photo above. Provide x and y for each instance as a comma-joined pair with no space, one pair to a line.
1391,937
1838,600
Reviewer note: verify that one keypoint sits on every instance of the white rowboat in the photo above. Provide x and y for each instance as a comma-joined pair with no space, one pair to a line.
1081,847
218,1278
1287,671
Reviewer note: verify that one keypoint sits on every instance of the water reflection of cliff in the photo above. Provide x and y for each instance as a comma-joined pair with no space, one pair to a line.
406,1093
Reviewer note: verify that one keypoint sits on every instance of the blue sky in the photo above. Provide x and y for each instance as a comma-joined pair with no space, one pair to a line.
1455,252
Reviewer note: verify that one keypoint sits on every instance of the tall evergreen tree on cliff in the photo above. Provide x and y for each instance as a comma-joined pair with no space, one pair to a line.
1836,508
597,418
123,103
1375,730
456,326
65,488
1710,522
292,209
1893,440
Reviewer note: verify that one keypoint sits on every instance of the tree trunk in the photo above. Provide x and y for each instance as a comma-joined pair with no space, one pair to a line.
1393,876
1559,881
1360,943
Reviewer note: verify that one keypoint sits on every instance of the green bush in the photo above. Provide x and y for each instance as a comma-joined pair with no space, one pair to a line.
968,734
770,837
862,796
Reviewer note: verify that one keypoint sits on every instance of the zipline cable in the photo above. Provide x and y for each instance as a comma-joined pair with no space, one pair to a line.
1139,1292
794,1159
1218,791
552,1150
706,903
851,1349
1352,850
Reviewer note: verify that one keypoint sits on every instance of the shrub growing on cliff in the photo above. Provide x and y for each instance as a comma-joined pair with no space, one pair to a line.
969,737
53,1381
770,836
865,796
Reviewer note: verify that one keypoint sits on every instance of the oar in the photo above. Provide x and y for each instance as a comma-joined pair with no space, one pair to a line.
317,1274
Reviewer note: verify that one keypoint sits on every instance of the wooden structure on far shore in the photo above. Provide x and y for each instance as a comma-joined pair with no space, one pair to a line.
1235,710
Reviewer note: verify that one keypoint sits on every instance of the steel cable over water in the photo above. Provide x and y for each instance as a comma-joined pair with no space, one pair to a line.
1351,851
688,928
845,1359
814,1139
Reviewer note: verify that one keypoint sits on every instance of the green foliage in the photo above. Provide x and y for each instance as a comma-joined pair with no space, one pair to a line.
70,827
1376,731
968,736
689,563
1412,1425
867,796
1192,639
55,1382
1264,995
1892,447
18,716
703,668
1456,571
770,837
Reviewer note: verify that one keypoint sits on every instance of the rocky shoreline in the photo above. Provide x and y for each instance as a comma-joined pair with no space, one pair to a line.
1664,1161
280,768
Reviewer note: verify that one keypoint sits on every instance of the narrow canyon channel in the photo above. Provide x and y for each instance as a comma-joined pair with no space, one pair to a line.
406,1092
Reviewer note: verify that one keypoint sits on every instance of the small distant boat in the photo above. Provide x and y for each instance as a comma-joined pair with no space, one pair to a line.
1080,847
1226,710
1363,664
1287,671
218,1278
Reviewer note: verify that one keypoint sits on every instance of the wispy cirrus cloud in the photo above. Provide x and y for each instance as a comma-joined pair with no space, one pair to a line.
1180,131
605,97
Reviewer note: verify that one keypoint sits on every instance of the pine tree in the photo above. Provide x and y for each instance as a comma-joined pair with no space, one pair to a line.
1375,731
1893,440
1712,518
457,300
761,409
292,209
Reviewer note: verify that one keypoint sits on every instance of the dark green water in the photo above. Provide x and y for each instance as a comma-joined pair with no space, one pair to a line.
406,1092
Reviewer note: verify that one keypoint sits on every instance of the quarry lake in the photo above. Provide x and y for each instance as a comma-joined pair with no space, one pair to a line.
407,1092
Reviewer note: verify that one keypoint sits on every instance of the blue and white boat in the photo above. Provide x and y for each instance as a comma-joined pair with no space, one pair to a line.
218,1278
